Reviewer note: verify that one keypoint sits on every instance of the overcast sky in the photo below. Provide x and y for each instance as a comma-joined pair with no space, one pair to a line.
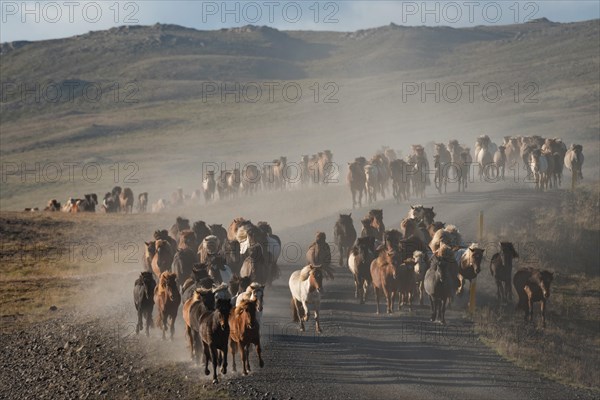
37,20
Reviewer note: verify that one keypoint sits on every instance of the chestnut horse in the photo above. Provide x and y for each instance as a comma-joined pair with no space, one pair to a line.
167,298
384,272
163,258
244,330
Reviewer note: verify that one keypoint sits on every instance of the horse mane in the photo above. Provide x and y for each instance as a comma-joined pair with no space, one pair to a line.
305,272
165,278
240,308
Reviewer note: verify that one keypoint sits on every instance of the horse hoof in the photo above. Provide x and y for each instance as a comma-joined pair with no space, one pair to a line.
206,372
302,329
215,381
261,363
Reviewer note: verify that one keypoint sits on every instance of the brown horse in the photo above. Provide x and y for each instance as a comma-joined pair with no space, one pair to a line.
356,180
532,285
376,217
501,269
344,236
214,332
244,331
126,200
149,251
201,302
384,272
167,298
163,258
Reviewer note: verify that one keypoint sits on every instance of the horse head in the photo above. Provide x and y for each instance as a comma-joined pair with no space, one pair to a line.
246,311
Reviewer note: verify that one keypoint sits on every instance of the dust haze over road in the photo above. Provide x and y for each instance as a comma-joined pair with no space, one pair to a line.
358,355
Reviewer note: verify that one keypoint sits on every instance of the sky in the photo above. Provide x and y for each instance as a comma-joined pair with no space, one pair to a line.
40,20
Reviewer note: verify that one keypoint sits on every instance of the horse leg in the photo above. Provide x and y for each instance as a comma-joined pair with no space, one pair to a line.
421,289
214,357
224,365
443,312
390,298
543,309
246,355
148,321
188,337
432,303
376,299
164,327
461,282
297,304
305,307
140,324
365,289
173,324
357,288
233,350
317,322
206,358
529,314
261,363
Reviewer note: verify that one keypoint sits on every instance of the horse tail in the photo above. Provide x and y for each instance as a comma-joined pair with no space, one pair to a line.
295,315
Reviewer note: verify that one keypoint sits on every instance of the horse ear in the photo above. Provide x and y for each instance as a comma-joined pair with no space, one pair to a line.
412,208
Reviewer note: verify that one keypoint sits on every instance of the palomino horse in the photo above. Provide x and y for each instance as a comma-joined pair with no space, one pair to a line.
306,286
209,185
500,162
574,162
244,329
167,298
501,269
538,163
469,265
359,263
214,332
532,285
254,292
372,183
143,298
439,282
344,236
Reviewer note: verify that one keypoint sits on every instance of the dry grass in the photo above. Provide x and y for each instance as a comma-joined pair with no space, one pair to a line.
568,349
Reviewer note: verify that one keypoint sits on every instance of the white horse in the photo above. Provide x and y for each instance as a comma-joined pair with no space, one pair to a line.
254,292
420,269
306,286
372,183
539,168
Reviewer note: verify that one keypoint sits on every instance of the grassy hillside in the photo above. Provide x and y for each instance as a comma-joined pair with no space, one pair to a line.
166,121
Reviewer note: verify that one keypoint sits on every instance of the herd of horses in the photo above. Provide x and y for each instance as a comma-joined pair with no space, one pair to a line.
218,277
541,159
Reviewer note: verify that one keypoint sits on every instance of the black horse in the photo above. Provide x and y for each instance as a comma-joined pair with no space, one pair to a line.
143,298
